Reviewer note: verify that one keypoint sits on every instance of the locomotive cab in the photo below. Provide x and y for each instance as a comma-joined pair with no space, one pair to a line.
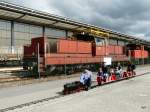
95,41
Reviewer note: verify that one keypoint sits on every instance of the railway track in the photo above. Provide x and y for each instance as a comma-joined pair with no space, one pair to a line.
13,79
13,75
59,96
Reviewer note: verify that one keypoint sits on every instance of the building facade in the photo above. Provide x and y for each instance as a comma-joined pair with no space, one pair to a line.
14,35
19,24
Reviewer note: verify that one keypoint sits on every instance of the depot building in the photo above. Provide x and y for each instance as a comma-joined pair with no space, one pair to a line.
19,24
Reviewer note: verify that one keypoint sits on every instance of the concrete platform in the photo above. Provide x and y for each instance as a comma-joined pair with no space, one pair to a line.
127,96
19,95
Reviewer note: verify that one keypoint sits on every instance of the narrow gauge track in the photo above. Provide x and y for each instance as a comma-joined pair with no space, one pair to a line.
59,96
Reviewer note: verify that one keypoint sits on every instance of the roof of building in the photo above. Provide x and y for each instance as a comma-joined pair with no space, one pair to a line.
22,14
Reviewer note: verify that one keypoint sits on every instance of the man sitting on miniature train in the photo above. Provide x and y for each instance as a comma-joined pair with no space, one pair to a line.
86,78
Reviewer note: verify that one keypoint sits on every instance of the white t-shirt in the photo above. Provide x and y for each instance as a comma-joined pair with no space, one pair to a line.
85,76
82,78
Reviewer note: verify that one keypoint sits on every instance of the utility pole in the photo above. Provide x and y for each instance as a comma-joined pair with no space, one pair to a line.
38,60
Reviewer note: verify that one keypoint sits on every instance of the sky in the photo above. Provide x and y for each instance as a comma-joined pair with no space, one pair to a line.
131,17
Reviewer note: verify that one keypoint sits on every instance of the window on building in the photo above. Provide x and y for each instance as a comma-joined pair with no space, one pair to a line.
112,42
5,37
23,34
121,43
69,34
54,33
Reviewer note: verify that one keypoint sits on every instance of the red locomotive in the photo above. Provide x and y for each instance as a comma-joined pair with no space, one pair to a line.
55,54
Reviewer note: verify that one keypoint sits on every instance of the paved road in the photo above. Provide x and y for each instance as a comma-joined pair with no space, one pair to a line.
131,95
19,95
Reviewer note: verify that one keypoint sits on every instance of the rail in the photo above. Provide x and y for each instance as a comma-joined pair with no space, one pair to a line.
13,79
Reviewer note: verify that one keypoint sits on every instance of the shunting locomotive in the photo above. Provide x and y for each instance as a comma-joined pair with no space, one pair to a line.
49,55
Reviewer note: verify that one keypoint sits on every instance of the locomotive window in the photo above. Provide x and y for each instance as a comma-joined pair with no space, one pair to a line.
84,37
99,41
51,46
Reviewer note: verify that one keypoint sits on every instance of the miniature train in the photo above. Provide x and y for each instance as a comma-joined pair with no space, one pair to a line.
76,86
60,55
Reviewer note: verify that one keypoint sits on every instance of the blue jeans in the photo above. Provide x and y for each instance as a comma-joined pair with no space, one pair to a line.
87,82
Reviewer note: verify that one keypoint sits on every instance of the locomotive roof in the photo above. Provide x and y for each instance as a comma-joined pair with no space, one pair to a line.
27,15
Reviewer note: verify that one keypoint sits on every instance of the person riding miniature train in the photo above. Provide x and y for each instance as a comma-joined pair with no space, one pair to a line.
86,78
100,76
103,78
118,71
130,69
105,71
112,75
